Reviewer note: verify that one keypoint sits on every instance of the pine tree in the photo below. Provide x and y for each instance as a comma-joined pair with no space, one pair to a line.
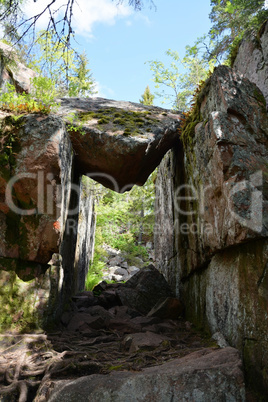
147,97
81,82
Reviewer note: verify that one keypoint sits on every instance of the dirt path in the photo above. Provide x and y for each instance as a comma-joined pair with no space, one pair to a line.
98,335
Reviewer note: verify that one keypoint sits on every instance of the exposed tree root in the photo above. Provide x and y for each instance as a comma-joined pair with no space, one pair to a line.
31,364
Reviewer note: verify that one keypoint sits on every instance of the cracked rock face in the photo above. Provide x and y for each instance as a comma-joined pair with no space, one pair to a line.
227,166
118,144
252,60
14,72
214,253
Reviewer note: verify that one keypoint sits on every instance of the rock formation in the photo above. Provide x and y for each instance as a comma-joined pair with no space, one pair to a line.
46,216
184,379
212,203
46,210
104,350
12,71
118,144
211,223
252,59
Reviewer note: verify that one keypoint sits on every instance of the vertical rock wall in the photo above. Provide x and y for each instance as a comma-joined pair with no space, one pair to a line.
167,261
252,59
86,233
213,191
45,215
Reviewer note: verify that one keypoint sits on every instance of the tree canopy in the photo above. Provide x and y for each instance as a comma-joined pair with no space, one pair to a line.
181,77
231,19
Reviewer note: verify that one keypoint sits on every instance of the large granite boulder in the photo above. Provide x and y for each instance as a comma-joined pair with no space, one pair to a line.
118,144
212,205
144,290
43,207
36,164
252,59
207,375
226,168
12,71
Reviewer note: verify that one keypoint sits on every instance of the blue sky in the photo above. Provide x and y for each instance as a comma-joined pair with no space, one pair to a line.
118,41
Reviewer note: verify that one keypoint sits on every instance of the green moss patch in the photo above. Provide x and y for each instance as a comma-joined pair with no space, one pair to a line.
260,98
132,123
9,143
193,117
18,312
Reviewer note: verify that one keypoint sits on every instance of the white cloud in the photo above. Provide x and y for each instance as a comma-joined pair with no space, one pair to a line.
85,13
103,91
144,18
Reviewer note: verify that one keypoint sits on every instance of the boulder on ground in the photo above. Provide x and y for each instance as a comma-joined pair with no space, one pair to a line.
144,290
206,375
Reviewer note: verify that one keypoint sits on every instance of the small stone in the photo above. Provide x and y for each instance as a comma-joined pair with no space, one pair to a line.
121,271
79,319
117,278
148,340
115,261
133,269
100,287
124,325
219,338
188,325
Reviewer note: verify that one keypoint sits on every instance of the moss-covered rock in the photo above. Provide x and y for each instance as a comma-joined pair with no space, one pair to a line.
23,302
118,143
115,120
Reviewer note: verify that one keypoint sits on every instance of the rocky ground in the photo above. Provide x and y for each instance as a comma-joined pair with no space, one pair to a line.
120,266
119,336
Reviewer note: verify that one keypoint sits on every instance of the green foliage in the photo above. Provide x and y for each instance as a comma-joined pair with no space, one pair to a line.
114,119
182,76
18,310
121,217
124,222
44,90
42,102
67,69
92,280
147,98
81,82
231,21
